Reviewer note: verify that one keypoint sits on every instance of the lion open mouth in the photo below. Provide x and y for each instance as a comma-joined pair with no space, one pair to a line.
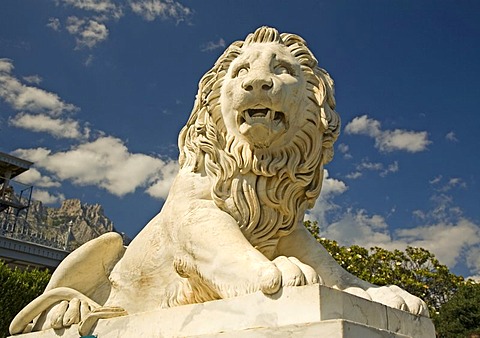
262,125
264,116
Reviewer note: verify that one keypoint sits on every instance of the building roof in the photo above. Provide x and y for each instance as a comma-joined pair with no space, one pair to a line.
13,164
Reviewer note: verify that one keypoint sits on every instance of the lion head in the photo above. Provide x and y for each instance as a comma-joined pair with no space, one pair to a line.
262,127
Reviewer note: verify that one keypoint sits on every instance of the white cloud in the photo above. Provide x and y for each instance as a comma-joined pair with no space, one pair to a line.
41,111
74,25
54,23
451,137
354,175
36,100
106,163
363,125
448,241
436,180
452,238
35,178
374,166
392,168
28,98
163,9
33,155
211,45
410,141
87,33
451,243
419,214
33,79
388,140
89,60
344,149
160,188
106,7
473,261
454,182
331,187
476,278
91,29
6,67
61,128
444,209
357,227
46,197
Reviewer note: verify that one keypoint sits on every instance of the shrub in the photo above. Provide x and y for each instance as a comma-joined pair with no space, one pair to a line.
18,288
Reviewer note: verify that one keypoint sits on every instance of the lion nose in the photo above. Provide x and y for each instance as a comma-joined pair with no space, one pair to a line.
257,83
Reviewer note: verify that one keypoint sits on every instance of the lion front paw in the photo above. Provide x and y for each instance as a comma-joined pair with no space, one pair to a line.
398,298
392,296
66,313
270,279
296,273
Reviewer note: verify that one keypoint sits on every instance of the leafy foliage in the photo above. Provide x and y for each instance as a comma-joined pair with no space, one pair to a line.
18,288
454,303
415,269
460,316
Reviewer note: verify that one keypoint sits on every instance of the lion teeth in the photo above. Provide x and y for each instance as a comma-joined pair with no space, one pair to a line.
255,113
261,115
268,116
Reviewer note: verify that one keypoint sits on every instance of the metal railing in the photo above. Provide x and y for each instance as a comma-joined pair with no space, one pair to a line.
21,230
15,199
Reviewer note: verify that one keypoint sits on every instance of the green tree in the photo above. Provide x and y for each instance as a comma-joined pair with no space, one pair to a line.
415,269
459,317
18,288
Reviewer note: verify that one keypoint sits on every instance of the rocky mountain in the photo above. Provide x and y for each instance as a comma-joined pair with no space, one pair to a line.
67,227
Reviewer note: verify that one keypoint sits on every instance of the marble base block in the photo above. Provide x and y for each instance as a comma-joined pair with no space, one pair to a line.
307,311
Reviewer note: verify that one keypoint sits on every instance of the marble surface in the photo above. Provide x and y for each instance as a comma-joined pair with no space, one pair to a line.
307,311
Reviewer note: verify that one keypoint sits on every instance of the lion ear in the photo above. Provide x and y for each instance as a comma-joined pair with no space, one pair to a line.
324,94
327,87
323,118
331,122
329,117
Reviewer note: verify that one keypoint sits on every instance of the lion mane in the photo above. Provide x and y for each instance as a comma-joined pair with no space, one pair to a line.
266,190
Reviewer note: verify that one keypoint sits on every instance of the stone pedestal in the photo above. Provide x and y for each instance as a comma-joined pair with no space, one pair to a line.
308,311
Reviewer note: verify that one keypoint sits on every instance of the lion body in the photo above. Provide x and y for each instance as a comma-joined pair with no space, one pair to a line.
251,163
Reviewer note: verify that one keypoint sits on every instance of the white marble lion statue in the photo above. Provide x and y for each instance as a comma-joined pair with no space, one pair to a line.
251,163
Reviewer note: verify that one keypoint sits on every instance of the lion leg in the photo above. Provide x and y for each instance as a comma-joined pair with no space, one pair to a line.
67,307
71,306
301,244
219,256
81,280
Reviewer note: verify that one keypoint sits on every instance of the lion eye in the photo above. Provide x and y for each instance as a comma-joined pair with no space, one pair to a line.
283,69
240,71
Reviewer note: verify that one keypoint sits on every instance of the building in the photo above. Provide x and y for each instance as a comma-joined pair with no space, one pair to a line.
19,246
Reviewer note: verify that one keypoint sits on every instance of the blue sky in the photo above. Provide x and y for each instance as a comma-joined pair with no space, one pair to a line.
95,93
